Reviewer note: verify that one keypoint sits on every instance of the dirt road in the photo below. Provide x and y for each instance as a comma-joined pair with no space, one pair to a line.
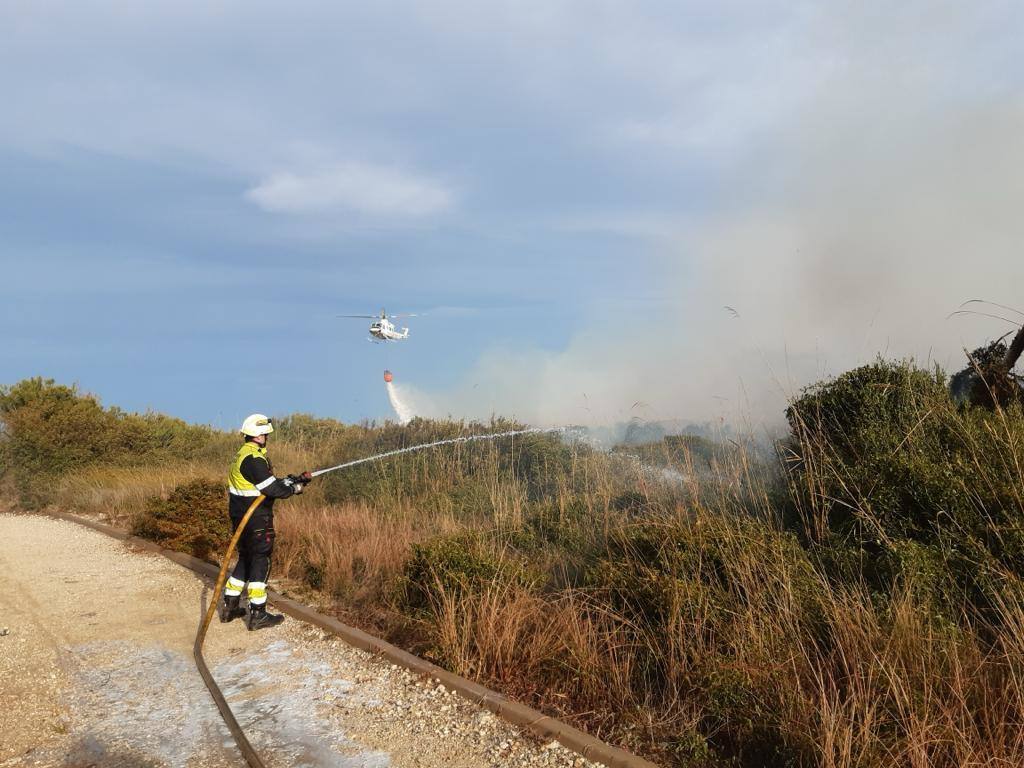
96,669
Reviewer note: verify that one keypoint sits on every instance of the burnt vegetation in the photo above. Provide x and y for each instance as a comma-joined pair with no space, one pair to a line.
988,381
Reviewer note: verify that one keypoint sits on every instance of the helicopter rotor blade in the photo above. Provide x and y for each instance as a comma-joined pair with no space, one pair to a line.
363,317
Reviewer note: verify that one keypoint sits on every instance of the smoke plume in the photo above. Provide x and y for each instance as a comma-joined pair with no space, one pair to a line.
852,229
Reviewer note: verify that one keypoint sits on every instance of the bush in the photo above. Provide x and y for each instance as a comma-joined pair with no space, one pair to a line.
651,569
892,482
537,461
193,519
51,430
695,589
680,451
453,565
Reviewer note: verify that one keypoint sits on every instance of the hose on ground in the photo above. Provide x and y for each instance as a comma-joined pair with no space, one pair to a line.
251,757
248,752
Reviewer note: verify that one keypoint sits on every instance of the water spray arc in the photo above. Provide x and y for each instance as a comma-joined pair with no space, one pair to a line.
250,754
438,443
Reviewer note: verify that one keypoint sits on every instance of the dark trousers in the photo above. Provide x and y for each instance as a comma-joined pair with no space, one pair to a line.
255,546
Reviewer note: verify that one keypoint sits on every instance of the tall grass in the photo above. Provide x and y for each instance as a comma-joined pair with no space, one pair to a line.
856,601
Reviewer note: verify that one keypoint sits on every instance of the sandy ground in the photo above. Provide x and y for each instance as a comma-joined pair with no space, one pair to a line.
96,669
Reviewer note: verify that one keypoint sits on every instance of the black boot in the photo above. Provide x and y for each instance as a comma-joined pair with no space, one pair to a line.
258,617
230,608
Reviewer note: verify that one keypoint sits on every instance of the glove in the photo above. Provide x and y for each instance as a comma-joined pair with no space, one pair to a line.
297,482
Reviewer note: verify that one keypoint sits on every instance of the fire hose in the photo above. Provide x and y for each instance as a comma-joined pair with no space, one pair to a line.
250,754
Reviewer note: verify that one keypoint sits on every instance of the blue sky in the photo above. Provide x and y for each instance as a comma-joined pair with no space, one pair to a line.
190,192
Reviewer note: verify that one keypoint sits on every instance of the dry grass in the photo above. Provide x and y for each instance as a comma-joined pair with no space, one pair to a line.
886,688
347,551
857,684
710,623
116,494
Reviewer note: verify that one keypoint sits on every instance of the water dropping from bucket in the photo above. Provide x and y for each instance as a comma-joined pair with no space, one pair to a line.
403,411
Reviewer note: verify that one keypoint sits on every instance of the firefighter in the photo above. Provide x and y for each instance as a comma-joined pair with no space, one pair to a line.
251,474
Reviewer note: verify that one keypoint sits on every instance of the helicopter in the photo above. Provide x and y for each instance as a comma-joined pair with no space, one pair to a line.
382,328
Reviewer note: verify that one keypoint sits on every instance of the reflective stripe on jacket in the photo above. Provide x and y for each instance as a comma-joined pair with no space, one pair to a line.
238,484
251,475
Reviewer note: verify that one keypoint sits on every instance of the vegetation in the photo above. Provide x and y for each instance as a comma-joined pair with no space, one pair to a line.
896,485
853,600
52,432
191,519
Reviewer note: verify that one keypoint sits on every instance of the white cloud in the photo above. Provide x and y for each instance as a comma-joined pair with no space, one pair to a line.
365,189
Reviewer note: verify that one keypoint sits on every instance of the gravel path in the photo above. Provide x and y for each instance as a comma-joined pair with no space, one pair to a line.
96,669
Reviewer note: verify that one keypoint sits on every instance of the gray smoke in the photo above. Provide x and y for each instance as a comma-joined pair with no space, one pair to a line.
851,229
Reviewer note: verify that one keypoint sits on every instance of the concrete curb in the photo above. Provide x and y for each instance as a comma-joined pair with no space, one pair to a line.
541,725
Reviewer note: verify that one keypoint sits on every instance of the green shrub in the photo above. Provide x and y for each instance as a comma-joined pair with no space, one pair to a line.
313,574
565,525
654,570
540,462
743,718
452,565
193,519
51,430
891,481
693,589
679,451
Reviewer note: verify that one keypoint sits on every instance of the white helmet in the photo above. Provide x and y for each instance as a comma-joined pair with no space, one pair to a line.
256,424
